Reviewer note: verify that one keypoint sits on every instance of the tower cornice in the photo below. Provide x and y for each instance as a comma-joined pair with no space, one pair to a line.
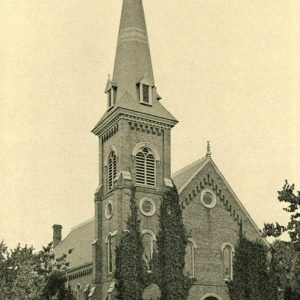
134,116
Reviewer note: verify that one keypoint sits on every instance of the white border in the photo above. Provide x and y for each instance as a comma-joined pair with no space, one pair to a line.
213,204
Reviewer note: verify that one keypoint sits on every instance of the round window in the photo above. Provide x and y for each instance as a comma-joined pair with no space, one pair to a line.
109,210
147,207
208,198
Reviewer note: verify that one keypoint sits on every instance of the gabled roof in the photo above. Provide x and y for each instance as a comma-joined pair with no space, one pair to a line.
182,177
79,240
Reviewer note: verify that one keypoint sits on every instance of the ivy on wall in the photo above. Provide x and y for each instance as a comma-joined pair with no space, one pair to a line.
130,270
252,274
171,244
167,265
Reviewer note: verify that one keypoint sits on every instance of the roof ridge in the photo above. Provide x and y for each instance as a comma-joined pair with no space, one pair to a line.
83,223
188,166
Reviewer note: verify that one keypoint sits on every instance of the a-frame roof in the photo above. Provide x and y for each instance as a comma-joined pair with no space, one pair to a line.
185,176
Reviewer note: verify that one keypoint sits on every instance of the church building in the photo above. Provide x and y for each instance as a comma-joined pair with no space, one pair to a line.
134,136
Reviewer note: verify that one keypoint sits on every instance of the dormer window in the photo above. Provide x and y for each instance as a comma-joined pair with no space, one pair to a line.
145,90
111,91
145,94
111,97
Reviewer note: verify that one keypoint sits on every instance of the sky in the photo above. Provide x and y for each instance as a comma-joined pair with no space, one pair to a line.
229,71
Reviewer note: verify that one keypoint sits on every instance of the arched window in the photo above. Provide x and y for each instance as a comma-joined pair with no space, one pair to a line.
110,244
145,167
148,238
227,251
78,292
189,264
109,254
112,169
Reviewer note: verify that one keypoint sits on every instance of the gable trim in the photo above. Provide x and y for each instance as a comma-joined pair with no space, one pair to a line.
192,177
239,202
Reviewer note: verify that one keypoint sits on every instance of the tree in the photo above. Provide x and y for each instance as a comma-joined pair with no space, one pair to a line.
251,277
130,271
286,267
29,275
287,195
287,254
171,244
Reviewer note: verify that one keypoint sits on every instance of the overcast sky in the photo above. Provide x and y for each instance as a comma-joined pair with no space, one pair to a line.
229,71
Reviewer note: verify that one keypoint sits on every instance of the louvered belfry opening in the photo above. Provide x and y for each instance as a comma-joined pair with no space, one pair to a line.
112,169
145,167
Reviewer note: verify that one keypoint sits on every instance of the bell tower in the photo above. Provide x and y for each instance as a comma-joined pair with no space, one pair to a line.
134,148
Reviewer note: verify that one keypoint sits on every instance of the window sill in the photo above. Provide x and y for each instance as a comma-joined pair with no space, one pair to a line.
145,103
146,186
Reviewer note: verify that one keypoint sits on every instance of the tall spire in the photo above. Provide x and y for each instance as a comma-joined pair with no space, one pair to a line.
133,59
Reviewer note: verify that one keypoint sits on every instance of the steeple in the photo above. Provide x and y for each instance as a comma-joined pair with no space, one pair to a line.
132,87
133,59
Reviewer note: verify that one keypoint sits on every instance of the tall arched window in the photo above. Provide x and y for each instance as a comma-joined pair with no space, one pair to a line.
189,263
145,167
109,255
110,244
148,238
112,169
78,292
227,251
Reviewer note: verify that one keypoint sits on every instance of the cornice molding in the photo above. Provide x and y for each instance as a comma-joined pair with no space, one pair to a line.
126,114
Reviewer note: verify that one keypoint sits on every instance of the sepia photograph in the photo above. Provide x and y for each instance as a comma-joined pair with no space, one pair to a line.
150,150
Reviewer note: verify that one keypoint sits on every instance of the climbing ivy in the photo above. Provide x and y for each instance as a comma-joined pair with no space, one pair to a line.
171,244
252,276
130,274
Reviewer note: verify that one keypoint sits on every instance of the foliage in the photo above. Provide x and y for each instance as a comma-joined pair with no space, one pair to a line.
251,278
29,275
287,254
167,265
286,267
130,271
171,244
287,195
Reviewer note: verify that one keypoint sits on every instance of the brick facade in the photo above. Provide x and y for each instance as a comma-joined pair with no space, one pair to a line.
125,125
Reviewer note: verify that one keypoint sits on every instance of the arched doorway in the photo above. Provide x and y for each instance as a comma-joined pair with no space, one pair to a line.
211,297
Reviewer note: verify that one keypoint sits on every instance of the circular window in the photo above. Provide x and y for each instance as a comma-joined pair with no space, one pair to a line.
109,210
147,207
208,198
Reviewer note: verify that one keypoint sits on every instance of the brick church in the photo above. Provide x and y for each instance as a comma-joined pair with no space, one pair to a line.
134,149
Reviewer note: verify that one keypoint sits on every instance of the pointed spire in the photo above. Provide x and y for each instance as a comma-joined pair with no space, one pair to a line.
133,59
208,151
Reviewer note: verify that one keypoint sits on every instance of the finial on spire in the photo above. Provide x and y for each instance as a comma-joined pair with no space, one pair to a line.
208,151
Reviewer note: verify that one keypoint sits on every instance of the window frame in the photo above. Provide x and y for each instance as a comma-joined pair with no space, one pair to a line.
193,252
109,252
111,97
112,162
228,245
142,96
145,167
153,241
